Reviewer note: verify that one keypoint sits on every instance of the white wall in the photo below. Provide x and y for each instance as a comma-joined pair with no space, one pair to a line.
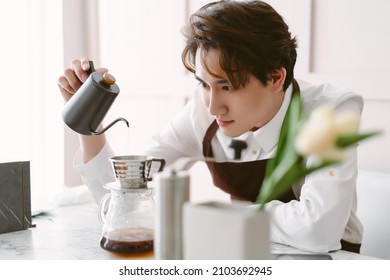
346,43
30,123
350,45
80,39
141,45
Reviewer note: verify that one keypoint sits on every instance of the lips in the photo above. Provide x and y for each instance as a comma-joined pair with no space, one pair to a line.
223,123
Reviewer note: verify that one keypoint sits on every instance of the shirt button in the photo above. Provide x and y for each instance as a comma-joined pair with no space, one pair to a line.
254,152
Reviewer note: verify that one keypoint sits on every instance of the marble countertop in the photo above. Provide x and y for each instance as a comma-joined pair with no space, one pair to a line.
67,232
73,232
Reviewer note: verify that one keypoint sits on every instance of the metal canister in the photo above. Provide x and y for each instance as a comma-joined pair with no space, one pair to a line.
172,191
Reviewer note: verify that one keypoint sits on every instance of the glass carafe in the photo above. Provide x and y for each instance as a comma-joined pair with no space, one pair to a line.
128,220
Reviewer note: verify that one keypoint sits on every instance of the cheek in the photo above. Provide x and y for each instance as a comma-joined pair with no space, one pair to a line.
248,102
205,98
252,109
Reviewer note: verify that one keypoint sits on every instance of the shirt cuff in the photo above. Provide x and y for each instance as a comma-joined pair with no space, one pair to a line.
96,173
97,166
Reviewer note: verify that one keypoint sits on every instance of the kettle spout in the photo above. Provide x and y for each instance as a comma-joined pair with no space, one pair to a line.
93,132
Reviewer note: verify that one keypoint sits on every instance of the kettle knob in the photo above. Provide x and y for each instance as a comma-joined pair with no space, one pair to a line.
108,79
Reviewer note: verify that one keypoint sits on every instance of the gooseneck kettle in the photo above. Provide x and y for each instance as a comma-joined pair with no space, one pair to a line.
85,111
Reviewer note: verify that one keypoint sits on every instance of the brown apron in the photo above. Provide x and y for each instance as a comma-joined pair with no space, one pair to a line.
242,180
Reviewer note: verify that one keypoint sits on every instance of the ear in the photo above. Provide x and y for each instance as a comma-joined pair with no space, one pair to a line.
277,79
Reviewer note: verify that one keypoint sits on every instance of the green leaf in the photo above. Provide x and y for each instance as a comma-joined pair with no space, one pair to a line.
349,139
280,168
279,180
289,129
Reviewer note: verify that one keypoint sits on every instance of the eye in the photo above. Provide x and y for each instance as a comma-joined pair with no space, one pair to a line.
227,88
203,85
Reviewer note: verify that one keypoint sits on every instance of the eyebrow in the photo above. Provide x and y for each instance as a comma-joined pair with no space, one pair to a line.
223,81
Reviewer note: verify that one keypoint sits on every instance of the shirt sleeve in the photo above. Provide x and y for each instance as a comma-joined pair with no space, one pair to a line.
326,210
97,172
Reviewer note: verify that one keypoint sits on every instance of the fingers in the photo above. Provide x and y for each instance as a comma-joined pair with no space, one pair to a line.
101,70
74,76
69,82
65,88
80,68
65,94
84,64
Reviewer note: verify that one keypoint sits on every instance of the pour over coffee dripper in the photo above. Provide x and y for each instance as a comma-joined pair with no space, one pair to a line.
85,111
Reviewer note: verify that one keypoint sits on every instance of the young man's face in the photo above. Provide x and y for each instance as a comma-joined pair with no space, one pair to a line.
237,111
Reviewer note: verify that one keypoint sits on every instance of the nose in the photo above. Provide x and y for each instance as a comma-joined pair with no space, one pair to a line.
216,103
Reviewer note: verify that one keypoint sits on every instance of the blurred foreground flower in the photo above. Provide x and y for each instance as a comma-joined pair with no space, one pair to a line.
324,134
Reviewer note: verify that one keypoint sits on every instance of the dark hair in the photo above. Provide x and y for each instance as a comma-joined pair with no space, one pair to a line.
251,37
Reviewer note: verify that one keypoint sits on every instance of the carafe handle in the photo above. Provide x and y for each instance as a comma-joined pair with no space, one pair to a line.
149,165
102,208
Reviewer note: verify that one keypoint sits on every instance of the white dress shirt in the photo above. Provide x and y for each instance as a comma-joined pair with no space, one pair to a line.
326,211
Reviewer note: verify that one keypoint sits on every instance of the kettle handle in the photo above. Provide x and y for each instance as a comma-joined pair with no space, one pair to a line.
91,68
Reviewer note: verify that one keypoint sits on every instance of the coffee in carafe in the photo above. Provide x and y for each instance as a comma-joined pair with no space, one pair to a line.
129,240
128,222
